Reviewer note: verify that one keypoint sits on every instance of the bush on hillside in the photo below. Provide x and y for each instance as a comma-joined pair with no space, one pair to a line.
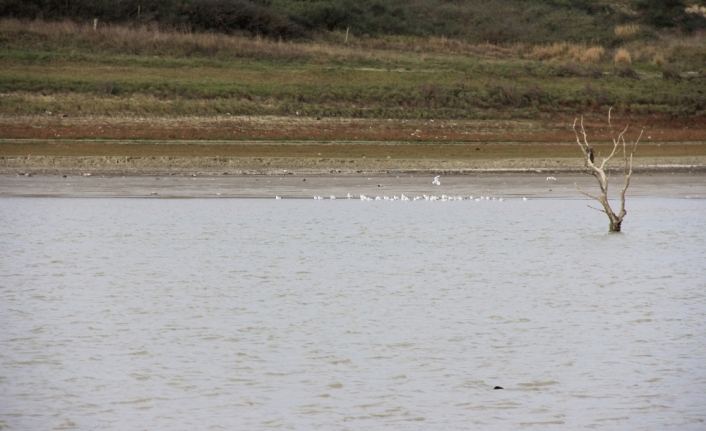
225,16
498,21
670,14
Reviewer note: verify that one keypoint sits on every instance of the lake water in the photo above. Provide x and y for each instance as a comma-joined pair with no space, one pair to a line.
247,314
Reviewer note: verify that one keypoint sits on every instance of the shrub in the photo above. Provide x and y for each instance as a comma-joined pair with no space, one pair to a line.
670,73
534,93
571,69
105,87
622,58
230,16
628,72
548,52
658,60
593,54
627,31
670,14
595,72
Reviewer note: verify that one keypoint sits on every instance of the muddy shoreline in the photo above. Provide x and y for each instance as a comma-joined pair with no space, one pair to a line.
508,185
165,165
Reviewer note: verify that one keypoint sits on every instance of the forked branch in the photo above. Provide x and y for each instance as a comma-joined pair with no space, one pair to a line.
598,169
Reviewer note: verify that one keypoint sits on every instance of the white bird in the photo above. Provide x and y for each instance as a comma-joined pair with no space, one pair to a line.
333,198
436,180
551,179
525,199
349,196
276,197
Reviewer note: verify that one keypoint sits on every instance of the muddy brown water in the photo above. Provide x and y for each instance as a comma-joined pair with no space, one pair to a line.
125,312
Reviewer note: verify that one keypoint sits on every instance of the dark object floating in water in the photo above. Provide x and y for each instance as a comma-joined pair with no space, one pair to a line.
498,387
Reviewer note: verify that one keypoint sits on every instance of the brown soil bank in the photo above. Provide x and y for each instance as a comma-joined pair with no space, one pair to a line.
271,145
547,129
160,165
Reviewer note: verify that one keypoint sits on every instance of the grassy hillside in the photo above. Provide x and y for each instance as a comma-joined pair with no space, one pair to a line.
475,21
117,70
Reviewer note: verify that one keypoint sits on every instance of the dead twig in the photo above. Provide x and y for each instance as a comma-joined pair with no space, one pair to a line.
598,169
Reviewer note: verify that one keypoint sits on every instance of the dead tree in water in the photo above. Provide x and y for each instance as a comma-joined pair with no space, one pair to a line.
598,170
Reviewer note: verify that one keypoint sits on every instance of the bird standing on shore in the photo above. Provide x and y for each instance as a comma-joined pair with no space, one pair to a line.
436,181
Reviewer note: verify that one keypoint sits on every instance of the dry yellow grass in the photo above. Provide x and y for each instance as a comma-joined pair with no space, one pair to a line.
567,52
658,60
152,40
593,54
622,58
555,51
627,31
641,53
696,10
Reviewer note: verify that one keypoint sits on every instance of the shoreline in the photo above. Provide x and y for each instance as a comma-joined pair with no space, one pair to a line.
199,165
508,185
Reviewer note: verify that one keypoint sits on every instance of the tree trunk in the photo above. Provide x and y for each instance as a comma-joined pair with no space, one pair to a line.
615,224
598,171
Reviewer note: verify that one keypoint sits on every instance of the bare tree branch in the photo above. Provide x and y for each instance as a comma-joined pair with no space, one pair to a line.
600,210
598,171
587,194
616,145
628,174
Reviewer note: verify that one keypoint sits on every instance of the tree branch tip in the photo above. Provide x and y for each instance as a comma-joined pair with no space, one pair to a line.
599,210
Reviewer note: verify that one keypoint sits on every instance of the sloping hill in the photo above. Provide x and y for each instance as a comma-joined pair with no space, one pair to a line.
496,21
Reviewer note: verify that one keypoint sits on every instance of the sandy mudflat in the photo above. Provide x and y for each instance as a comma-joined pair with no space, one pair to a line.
508,185
165,165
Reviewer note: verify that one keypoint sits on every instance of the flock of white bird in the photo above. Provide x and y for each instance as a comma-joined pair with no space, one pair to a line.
442,198
402,197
